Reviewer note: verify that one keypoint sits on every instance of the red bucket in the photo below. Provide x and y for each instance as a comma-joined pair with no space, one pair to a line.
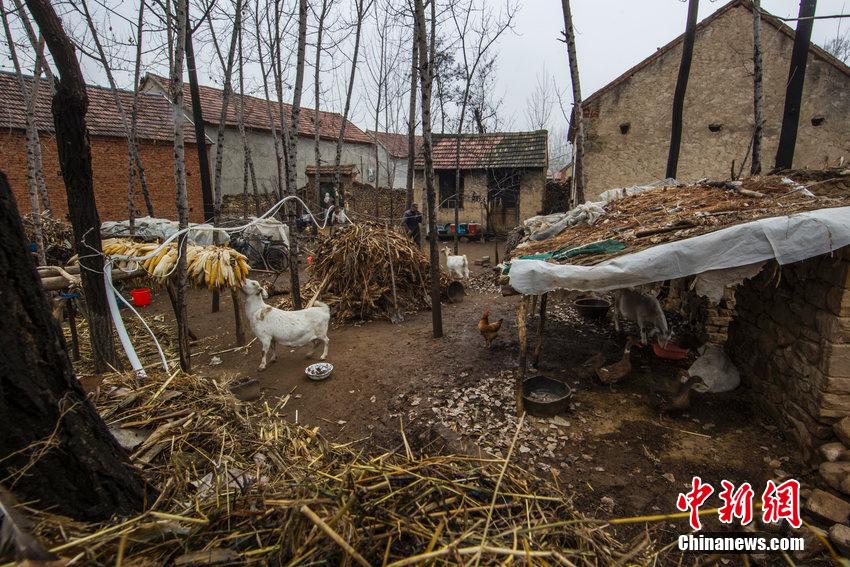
141,296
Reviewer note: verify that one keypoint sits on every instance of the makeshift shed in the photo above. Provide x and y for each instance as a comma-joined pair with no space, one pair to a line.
787,240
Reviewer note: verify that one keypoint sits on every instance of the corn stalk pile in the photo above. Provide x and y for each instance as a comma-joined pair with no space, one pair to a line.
237,484
213,267
58,237
352,270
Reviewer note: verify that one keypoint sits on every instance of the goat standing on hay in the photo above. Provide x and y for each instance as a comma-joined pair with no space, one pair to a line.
291,328
458,266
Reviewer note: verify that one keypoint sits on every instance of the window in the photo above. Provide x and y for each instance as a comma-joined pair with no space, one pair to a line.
447,190
817,120
625,127
715,127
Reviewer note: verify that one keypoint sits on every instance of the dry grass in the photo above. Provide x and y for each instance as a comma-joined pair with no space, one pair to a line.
687,211
238,483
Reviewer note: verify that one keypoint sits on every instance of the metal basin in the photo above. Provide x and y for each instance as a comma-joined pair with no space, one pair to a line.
545,397
592,307
319,371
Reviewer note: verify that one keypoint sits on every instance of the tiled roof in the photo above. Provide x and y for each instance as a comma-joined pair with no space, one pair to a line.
102,119
331,169
495,150
257,116
395,144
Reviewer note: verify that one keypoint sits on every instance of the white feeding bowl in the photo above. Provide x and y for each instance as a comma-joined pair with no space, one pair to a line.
319,371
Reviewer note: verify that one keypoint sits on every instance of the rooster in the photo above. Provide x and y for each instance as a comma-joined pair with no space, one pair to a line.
487,329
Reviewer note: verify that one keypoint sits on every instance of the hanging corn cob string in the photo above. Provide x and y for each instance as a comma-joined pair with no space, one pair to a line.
213,267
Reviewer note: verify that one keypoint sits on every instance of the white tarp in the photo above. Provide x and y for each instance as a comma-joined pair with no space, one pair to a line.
151,229
787,239
267,229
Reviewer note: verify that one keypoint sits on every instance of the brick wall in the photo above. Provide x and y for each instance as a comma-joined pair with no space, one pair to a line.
109,168
719,92
790,338
709,317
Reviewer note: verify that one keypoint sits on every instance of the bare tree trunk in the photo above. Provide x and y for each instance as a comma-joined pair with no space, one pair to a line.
277,67
317,117
758,94
681,88
37,42
198,119
32,133
82,472
40,64
411,123
278,151
131,141
425,77
246,148
361,14
292,173
577,115
70,104
134,115
794,86
180,180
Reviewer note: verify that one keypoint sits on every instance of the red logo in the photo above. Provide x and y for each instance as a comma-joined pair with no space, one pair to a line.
691,501
736,503
782,502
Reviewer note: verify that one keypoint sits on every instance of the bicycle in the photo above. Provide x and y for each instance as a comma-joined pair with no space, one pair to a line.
272,256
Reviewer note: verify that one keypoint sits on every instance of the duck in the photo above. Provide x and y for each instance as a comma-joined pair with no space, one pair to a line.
676,396
613,373
589,367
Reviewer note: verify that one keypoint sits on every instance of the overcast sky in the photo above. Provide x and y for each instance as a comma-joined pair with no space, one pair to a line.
612,36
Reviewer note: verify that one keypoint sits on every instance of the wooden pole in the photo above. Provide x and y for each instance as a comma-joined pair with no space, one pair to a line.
541,327
71,312
522,333
237,316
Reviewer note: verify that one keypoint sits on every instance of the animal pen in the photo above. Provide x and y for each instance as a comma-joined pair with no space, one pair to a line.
787,241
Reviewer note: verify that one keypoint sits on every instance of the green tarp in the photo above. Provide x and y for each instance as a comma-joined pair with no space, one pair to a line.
602,247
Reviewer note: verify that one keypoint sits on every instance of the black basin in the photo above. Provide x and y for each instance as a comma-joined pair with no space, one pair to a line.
545,397
592,307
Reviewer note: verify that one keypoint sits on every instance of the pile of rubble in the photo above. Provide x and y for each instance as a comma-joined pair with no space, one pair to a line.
831,504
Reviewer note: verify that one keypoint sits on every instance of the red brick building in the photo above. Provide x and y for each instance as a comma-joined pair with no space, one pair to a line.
109,152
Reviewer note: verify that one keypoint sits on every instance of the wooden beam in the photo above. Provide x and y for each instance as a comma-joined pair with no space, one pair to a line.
522,333
57,283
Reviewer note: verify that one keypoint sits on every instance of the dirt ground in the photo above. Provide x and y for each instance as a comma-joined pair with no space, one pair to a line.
611,449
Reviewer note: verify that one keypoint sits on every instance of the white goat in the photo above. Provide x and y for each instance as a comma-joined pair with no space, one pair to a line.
458,266
291,328
643,310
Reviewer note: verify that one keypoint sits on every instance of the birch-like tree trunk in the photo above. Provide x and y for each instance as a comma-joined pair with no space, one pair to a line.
134,115
131,141
425,79
278,150
317,95
222,120
681,88
411,123
292,163
70,103
180,181
32,137
577,115
758,94
249,173
362,8
40,64
198,119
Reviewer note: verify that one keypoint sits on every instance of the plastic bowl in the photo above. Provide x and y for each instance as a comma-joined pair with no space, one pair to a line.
592,307
319,371
671,352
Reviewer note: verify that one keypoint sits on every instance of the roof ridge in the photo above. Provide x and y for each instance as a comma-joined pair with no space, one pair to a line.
766,16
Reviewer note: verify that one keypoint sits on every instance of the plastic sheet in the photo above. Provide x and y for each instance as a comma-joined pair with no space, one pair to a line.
787,239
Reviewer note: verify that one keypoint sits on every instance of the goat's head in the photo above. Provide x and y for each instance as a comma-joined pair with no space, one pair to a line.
445,250
253,287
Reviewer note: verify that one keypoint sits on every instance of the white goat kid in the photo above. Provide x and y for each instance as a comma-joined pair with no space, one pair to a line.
643,310
290,328
458,266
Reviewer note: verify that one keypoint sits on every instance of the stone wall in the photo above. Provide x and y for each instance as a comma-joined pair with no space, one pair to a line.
709,318
790,337
719,94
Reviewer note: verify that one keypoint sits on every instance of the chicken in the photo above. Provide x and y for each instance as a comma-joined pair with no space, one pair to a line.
487,329
613,373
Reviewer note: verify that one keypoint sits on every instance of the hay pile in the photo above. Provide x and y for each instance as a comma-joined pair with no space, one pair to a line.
239,485
352,271
58,237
